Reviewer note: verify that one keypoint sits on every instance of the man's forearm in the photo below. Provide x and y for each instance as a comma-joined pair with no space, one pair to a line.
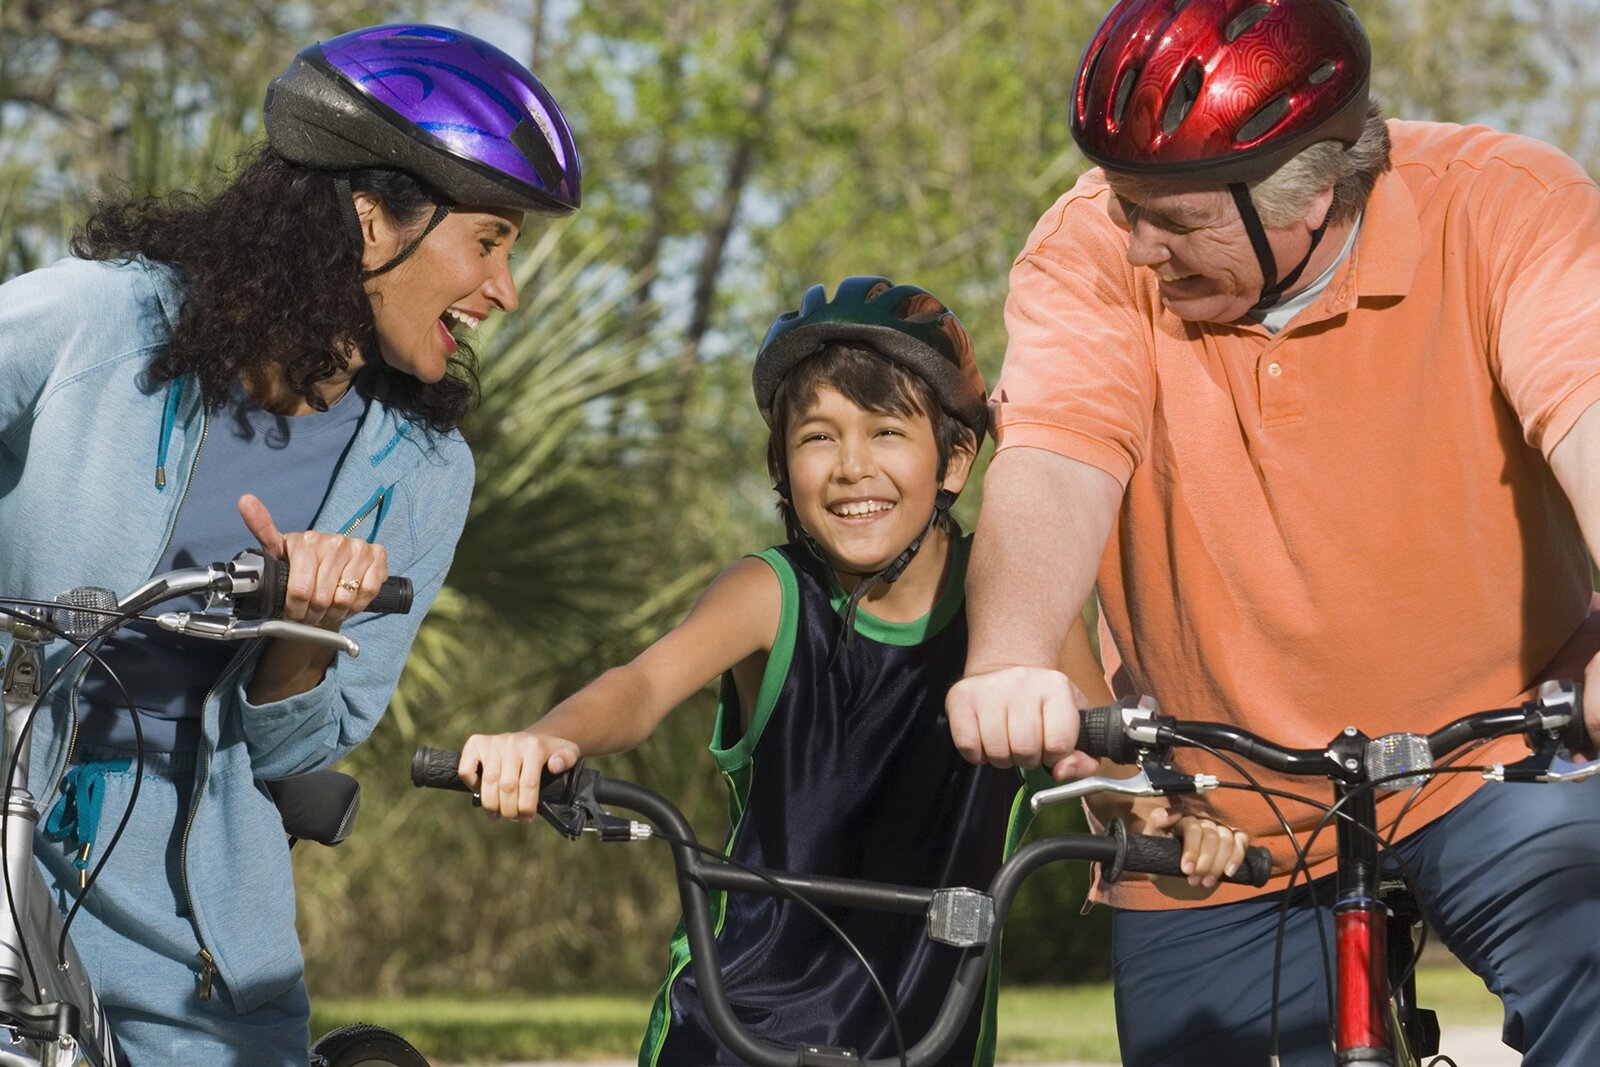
1041,533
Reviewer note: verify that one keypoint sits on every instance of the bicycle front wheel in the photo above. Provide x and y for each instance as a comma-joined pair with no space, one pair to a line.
361,1045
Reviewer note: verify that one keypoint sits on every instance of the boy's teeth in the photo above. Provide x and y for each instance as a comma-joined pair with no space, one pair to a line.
864,507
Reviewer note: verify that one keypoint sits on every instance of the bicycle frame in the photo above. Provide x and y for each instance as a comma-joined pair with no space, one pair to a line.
46,999
60,1021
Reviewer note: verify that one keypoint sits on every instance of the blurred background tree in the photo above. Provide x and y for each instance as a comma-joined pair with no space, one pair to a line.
735,152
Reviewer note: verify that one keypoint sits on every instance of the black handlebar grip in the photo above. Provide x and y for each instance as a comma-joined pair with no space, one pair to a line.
435,768
394,595
1101,734
1162,855
1577,737
1092,723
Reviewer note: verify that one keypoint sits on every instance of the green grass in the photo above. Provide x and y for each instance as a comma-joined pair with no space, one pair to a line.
1057,1023
1458,996
1037,1023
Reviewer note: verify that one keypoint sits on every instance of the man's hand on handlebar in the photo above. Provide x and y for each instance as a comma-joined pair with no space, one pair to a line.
1019,717
504,769
331,577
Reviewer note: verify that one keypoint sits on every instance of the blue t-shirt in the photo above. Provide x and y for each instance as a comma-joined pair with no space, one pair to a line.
287,461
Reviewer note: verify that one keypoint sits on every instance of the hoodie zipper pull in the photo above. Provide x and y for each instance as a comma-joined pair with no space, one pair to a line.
207,972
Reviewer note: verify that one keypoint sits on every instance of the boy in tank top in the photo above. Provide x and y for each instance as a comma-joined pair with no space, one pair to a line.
834,651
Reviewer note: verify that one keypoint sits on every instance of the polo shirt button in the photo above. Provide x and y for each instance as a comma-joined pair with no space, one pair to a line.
1275,369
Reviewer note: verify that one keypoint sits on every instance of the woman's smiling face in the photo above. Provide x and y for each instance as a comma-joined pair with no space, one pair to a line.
455,277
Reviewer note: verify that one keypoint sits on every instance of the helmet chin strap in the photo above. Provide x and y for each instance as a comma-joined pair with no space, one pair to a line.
1272,289
342,185
942,502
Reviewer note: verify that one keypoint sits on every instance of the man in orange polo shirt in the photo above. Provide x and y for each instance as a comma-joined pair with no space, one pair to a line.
1312,392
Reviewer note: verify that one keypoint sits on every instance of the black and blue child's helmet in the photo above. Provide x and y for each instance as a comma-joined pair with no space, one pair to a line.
904,323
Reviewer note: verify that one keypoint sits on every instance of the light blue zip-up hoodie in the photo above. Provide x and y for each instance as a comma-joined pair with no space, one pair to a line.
83,432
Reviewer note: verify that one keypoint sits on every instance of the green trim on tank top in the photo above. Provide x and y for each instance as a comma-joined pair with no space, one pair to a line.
733,759
916,631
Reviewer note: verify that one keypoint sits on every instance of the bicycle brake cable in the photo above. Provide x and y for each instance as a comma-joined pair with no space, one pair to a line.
1301,865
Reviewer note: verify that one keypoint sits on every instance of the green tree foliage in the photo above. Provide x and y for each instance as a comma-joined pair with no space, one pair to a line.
111,97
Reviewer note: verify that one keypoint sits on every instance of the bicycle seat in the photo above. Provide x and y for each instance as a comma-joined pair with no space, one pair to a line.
320,806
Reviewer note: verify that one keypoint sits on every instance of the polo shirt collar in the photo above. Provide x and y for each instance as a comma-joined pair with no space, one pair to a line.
1388,248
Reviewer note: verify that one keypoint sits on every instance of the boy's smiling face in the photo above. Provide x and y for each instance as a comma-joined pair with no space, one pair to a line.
863,482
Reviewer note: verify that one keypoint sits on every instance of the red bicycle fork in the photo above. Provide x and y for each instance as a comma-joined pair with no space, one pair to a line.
1361,1021
1361,1031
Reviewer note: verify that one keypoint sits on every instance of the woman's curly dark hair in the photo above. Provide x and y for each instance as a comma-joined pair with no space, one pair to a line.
273,277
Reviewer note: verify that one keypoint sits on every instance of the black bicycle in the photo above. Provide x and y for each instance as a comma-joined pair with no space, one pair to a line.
576,802
1378,919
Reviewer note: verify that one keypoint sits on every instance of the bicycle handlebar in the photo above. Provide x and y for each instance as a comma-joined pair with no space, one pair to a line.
245,598
573,801
1123,732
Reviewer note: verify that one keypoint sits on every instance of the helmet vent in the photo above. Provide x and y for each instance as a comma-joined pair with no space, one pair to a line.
1263,120
1324,72
1187,92
1119,100
1179,5
1246,19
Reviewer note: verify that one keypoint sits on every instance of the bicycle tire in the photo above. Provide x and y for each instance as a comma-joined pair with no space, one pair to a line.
364,1045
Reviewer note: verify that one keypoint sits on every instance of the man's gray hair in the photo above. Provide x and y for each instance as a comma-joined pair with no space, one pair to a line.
1284,197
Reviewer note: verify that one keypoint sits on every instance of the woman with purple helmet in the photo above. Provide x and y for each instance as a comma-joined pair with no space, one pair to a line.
293,354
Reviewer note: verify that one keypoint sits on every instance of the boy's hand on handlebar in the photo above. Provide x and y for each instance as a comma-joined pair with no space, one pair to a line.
1591,710
1019,717
505,769
1210,849
331,577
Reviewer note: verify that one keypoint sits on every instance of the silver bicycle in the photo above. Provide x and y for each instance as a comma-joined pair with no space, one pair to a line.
50,1015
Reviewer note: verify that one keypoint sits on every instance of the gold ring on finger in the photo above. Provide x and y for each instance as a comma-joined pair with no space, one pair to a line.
350,585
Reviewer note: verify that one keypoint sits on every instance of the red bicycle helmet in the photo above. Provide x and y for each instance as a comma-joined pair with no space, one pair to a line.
1228,90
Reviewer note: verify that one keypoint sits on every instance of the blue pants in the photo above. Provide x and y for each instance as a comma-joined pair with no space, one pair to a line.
138,942
1511,882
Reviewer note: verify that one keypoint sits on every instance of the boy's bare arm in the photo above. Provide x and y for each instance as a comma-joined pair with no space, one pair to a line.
735,618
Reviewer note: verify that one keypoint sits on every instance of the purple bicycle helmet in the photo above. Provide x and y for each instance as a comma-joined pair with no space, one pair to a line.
439,104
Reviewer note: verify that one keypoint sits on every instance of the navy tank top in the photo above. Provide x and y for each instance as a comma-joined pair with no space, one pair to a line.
847,769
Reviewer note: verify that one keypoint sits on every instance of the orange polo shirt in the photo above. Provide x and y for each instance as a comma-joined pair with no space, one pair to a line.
1352,522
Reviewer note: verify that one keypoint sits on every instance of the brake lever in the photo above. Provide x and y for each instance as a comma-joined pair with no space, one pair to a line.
578,812
1136,785
228,628
1500,772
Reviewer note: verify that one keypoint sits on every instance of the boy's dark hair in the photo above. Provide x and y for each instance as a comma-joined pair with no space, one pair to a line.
872,382
272,274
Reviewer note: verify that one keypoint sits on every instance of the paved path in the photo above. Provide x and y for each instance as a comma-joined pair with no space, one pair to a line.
1468,1046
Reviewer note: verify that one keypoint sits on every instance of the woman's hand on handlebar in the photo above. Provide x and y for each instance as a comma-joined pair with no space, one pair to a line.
504,769
331,577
